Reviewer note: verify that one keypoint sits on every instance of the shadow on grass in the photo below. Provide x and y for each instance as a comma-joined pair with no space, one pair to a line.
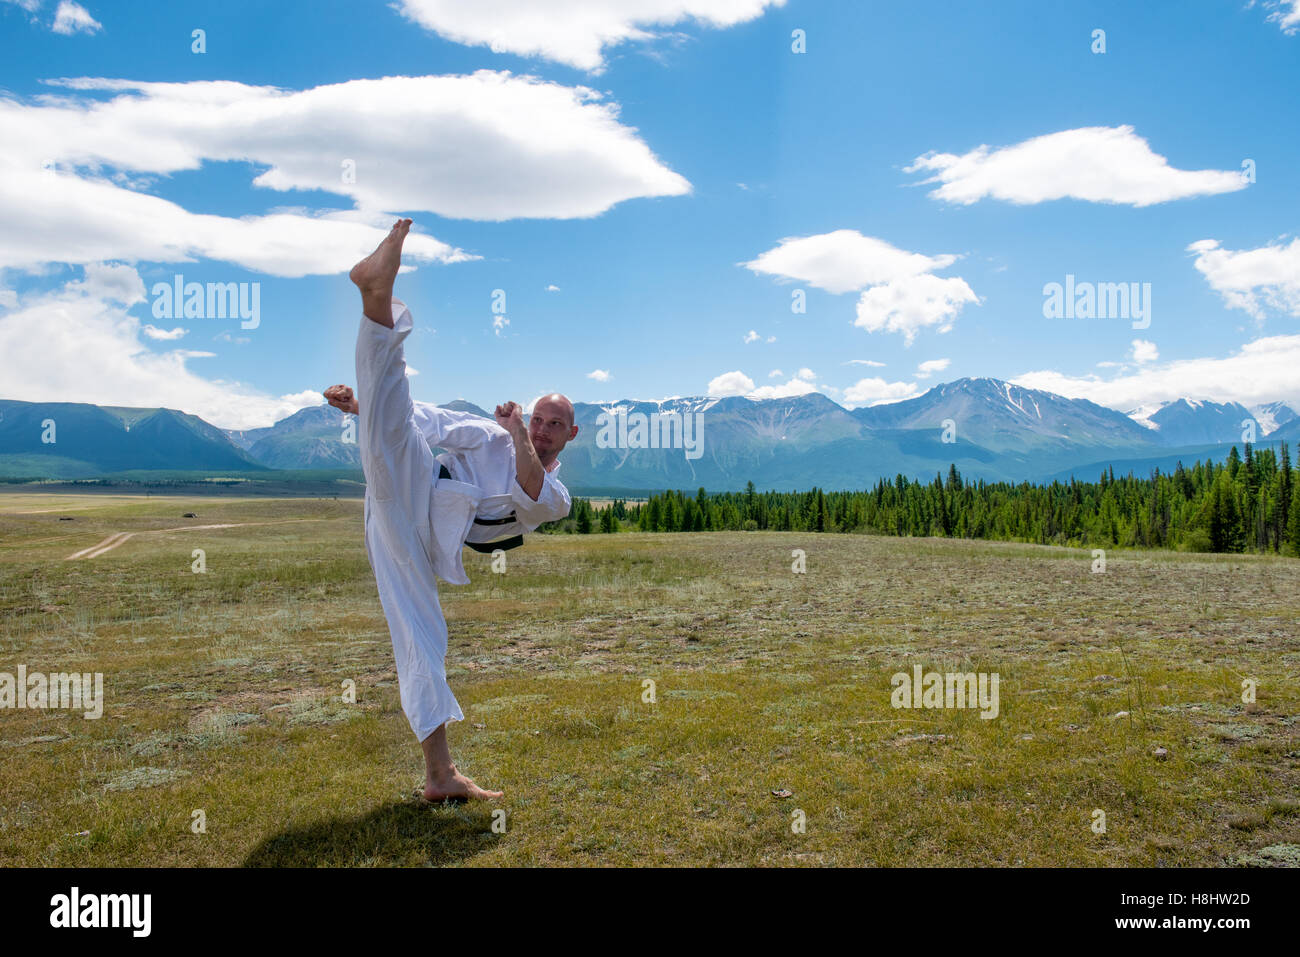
403,834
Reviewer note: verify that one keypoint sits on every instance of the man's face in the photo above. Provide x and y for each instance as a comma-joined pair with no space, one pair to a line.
550,427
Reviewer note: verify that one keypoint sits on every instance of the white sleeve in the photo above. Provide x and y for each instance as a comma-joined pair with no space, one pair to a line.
452,430
553,502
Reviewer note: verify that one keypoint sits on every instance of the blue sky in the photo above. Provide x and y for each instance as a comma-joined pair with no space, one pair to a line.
920,173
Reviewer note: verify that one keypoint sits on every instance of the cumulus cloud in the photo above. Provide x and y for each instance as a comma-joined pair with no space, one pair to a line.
1251,279
74,345
876,391
796,386
751,336
775,374
731,383
153,332
931,366
909,305
842,261
900,293
574,32
1145,351
487,146
600,375
112,281
1262,370
552,288
73,18
737,383
1098,164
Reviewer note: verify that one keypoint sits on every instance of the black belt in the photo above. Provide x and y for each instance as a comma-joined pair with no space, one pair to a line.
487,548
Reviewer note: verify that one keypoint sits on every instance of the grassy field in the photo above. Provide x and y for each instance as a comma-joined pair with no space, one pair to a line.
223,695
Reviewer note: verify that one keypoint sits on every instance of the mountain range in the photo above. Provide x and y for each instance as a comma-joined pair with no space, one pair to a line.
988,428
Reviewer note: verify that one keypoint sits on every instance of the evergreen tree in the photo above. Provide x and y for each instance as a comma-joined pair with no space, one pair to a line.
1225,527
1293,524
1234,463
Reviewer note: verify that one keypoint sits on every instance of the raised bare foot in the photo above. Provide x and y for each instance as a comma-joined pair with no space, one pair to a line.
375,274
455,786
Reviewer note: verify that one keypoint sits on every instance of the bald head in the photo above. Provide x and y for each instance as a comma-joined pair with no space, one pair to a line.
551,426
556,402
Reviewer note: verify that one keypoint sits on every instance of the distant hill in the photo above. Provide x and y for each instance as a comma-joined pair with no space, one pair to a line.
1272,416
1191,422
313,439
90,440
999,432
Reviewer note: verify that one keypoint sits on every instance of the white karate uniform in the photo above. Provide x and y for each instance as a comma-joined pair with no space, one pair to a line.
415,523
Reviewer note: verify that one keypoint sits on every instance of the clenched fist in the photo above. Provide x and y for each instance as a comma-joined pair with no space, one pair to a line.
341,397
510,416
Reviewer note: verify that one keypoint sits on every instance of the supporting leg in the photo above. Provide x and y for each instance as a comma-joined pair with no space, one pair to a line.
441,779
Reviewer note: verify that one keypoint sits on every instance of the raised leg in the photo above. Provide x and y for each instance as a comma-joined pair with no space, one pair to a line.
375,275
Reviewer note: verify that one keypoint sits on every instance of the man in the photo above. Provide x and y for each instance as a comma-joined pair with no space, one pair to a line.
495,478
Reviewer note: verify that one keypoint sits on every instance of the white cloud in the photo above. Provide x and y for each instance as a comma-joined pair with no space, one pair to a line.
552,288
771,339
73,346
876,391
499,324
775,373
1145,351
153,332
8,299
83,221
73,18
557,152
909,305
600,375
31,6
1250,279
574,32
1098,164
799,385
900,294
931,366
751,336
412,371
730,383
843,260
864,362
737,383
1286,14
111,281
1263,370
